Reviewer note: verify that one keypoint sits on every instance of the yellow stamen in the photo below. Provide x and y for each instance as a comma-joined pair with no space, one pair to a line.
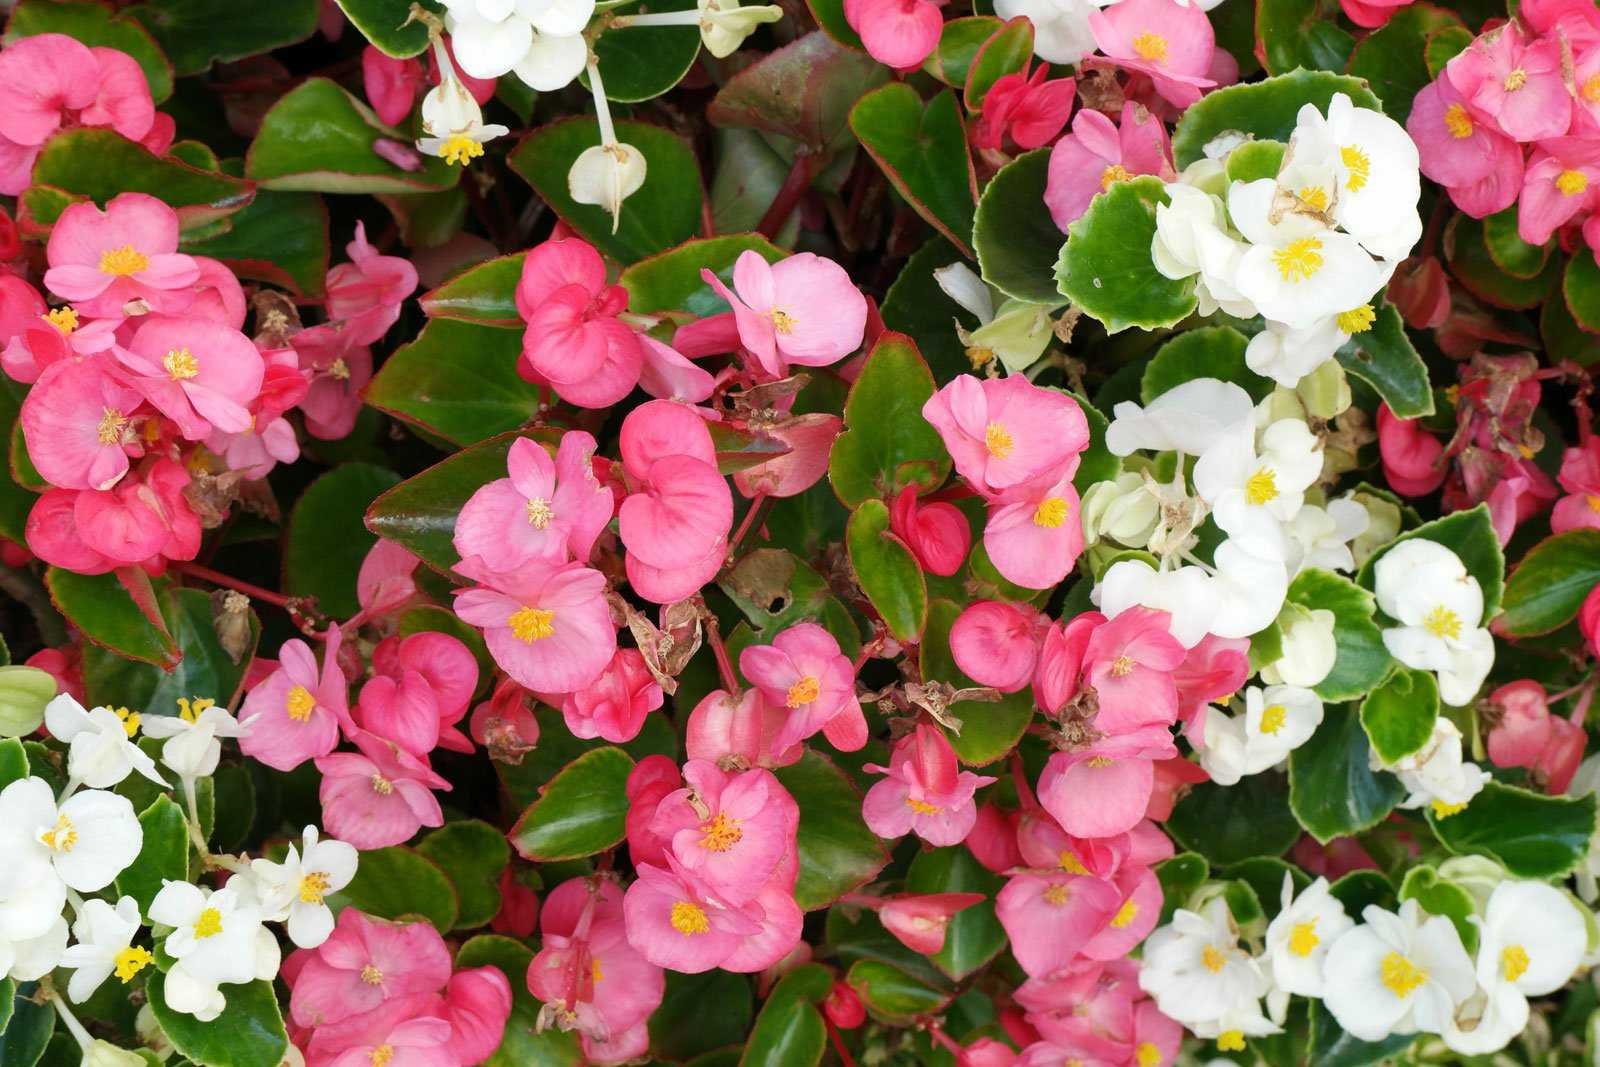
1056,896
594,970
112,425
1443,809
1572,182
181,364
782,321
384,1053
532,624
1070,863
539,513
1262,487
1230,1041
1113,174
922,807
720,834
1122,666
1300,260
803,692
979,355
1125,915
381,785
1151,46
130,721
1213,959
123,261
371,975
1442,622
339,370
313,887
191,710
1147,1055
1051,513
1513,962
1273,718
1358,164
1594,503
1591,90
1099,762
460,149
998,441
1357,319
299,704
130,961
60,837
1515,80
209,924
64,319
1314,197
1400,976
689,919
1303,938
1458,122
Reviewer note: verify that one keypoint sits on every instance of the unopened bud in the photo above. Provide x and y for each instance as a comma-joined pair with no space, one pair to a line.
24,691
605,176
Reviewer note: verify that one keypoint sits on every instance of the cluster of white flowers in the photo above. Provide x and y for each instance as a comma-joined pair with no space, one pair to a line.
59,848
1306,250
1396,972
541,41
1425,587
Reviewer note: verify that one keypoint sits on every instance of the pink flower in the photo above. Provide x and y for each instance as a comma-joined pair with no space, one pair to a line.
675,522
1098,153
920,921
735,831
649,783
1515,82
546,510
614,705
339,371
145,519
379,797
1520,492
926,792
367,292
384,582
391,84
1003,432
445,664
1035,532
1136,915
1104,788
52,535
1589,620
997,644
675,921
1129,661
504,725
519,906
802,310
78,426
477,1004
1172,778
668,374
549,628
804,671
1527,735
1213,669
993,840
897,33
573,339
937,534
1579,476
398,1033
101,260
403,710
721,727
1057,676
1049,917
1468,155
1412,458
1171,42
1561,183
199,374
810,439
1371,14
1032,109
364,962
296,713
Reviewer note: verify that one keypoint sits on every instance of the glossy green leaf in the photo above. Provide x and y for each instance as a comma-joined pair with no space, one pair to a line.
278,238
15,500
775,590
318,138
1580,285
671,281
1361,660
803,91
163,856
1332,1047
248,1033
525,1043
327,539
1264,876
1332,789
988,730
1548,587
959,41
789,1032
99,164
1357,889
1008,51
701,1012
1564,338
641,62
887,444
1291,34
387,24
98,27
1105,266
1443,46
485,294
1206,352
1180,876
1229,824
891,994
196,33
1016,240
13,762
887,571
974,936
398,881
918,308
1440,896
206,671
581,812
1530,834
1467,253
1254,160
922,150
829,14
838,853
1266,109
28,1032
1392,58
1398,715
1385,359
1470,535
458,381
472,854
1509,251
103,611
664,212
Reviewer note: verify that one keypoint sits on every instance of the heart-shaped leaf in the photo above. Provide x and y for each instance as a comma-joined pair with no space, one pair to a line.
1360,660
398,881
922,150
887,444
1398,716
887,571
1546,590
471,853
458,381
1470,535
1333,791
1206,352
582,811
248,1033
1016,240
163,856
97,164
1230,824
1105,267
1530,834
196,33
1267,109
803,91
641,62
389,26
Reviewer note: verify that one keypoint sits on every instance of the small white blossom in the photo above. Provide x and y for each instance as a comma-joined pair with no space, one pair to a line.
103,946
88,840
217,939
1397,973
451,118
1276,721
1199,975
1426,588
193,736
1300,935
100,748
295,890
1309,649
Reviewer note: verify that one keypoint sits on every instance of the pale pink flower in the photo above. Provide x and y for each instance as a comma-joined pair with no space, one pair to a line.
937,534
614,705
413,676
997,644
733,830
1129,661
1466,153
364,962
1515,82
199,374
681,508
1044,844
1371,14
1035,532
78,421
1104,788
1003,432
1561,184
296,714
1136,915
384,582
367,292
779,921
1527,735
101,260
668,374
1213,669
407,1032
810,439
1170,42
379,797
546,510
920,921
1050,916
338,371
721,727
925,793
1580,477
897,33
574,339
804,671
676,921
549,628
803,310
1098,153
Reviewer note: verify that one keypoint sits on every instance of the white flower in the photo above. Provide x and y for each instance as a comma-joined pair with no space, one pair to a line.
553,62
1060,27
1184,593
1426,588
1396,974
1309,650
1190,240
1299,937
1436,775
1017,333
1531,940
1276,721
452,119
30,959
104,946
724,24
100,748
295,889
1252,493
1320,537
217,939
193,746
1188,418
493,37
1198,974
102,1053
1247,590
89,840
31,898
605,176
1286,355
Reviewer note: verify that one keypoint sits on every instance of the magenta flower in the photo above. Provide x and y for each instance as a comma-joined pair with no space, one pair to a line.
1098,153
675,921
1057,678
804,672
997,644
574,339
545,510
1561,183
366,293
378,797
1215,668
1170,42
78,421
1104,788
144,519
296,713
1580,477
920,922
1515,82
803,310
477,1005
1032,108
362,964
52,535
614,705
937,534
1035,532
199,374
650,782
419,691
897,33
746,728
102,260
734,831
1050,916
1413,460
1003,432
391,84
675,522
925,793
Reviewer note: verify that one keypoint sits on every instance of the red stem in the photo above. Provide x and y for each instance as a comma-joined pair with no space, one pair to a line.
757,506
730,681
255,592
793,188
838,1043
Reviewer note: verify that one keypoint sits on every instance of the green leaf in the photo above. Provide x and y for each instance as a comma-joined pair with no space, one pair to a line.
701,1012
1509,251
196,33
327,540
472,854
278,238
1332,1047
887,444
99,164
1392,59
664,212
1180,876
1105,267
641,62
206,670
1470,535
1581,287
95,26
775,590
922,150
671,280
15,500
974,936
1332,790
1529,834
103,611
789,1032
1266,109
163,856
13,766
959,42
1564,338
1467,253
24,1039
248,1033
893,995
1254,160
803,91
524,1043
485,294
1439,896
829,14
458,381
1230,824
1264,876
1443,46
582,811
1398,716
1293,33
1016,240
1385,359
887,571
384,23
318,138
398,881
1357,889
1007,52
918,308
1206,352
838,853
1361,660
988,731
1548,587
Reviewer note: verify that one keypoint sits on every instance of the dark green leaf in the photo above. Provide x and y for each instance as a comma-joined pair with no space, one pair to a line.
1016,240
918,308
974,936
1293,33
1006,52
1332,790
922,150
701,1012
1548,587
1392,59
887,444
1357,889
1207,352
206,671
1385,359
248,1033
1530,834
1230,824
279,238
893,995
1332,1047
485,294
671,280
581,812
789,1031
457,380
1470,535
1398,715
1180,876
803,91
163,856
472,854
398,881
837,852
24,1039
327,540
388,25
196,33
1105,267
13,763
1509,251
1581,287
1440,896
99,164
887,571
642,62
1468,256
103,611
959,42
1361,659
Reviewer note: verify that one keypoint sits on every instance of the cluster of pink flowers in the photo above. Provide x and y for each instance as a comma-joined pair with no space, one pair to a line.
1523,733
382,992
145,392
1515,118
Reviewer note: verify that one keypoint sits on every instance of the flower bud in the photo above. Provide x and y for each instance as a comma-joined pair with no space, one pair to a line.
1325,392
105,1054
843,1007
1018,334
724,24
1308,648
24,691
1383,525
605,176
1120,511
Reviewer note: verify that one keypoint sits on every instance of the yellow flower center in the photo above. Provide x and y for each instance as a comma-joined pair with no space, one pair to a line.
60,837
191,710
112,425
720,834
460,149
1070,862
1056,896
1314,197
1122,666
1572,182
1357,319
1591,90
1151,46
1273,717
130,961
1303,938
1262,487
595,971
1515,80
384,1053
1299,260
64,319
1443,809
782,321
339,370
209,924
1400,976
1125,915
1458,122
689,919
381,785
1230,1041
1594,503
1099,762
998,441
371,975
1513,962
299,704
803,692
1051,512
123,261
130,720
1147,1055
1113,174
979,355
1213,959
922,807
181,364
532,624
1358,164
1442,622
313,887
539,513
